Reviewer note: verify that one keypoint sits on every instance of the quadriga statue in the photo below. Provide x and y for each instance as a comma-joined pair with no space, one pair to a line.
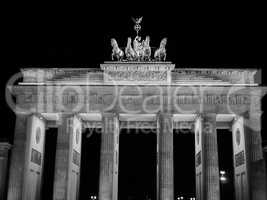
129,51
160,53
116,51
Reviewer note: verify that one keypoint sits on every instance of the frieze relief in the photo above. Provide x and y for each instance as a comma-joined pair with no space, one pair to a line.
146,102
136,75
130,71
153,99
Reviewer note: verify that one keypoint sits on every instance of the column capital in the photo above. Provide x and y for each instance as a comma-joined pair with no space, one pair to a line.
251,120
78,117
69,115
164,114
38,115
206,116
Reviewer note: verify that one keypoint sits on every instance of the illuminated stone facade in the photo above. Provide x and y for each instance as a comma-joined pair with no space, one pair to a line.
136,95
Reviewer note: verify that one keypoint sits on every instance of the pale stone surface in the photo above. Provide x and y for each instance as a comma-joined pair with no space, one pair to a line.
140,88
199,158
165,157
17,160
140,99
108,182
27,158
255,158
207,167
257,166
137,72
240,156
68,154
178,75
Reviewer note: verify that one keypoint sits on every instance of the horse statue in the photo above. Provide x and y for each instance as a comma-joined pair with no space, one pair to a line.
129,51
160,53
146,49
116,51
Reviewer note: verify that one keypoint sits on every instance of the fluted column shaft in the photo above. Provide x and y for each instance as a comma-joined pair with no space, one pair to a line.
68,154
17,160
26,167
250,175
257,166
207,164
211,158
108,184
258,184
165,157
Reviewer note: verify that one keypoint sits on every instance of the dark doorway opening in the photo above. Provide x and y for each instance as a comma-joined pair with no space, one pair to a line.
90,164
49,163
184,163
225,151
137,164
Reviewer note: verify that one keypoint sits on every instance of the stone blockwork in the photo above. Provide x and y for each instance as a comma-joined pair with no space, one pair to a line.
68,154
109,158
207,163
165,157
26,167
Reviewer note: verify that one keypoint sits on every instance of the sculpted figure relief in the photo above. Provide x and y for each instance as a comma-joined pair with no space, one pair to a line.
116,51
147,49
129,51
138,50
138,47
160,53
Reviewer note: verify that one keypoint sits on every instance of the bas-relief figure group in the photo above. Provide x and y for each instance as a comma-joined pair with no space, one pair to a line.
138,75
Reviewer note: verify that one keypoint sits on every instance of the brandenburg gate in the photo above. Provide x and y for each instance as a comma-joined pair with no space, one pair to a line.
135,93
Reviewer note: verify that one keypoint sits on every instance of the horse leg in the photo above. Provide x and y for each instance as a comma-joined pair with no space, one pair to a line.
112,56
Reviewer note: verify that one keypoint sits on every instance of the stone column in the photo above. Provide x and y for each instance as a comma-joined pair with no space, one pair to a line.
26,167
109,158
256,158
4,148
165,157
207,164
68,155
249,163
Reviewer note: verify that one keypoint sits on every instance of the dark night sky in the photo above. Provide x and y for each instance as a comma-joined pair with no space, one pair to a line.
61,37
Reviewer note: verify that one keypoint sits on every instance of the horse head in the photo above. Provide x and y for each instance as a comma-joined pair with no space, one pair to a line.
114,43
163,42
